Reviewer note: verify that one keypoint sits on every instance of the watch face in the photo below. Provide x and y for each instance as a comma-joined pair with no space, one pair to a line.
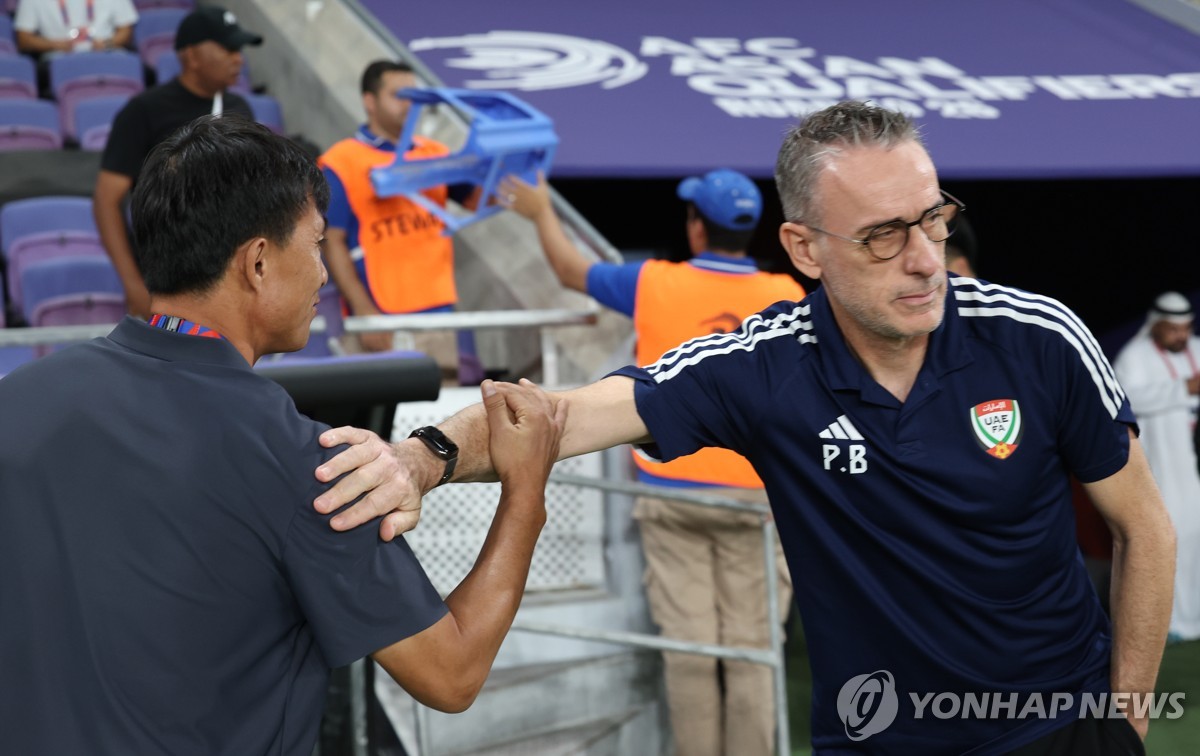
437,441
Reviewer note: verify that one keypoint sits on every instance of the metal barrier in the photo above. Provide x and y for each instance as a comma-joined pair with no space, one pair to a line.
772,657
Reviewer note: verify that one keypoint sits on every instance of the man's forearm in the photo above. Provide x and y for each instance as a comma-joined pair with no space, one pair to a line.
568,264
603,414
1142,578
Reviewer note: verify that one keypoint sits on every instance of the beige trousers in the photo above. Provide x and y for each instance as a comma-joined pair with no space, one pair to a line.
705,583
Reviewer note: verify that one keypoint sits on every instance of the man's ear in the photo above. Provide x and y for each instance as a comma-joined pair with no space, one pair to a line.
252,263
797,241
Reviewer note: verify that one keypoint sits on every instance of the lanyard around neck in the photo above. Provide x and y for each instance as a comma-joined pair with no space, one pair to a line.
179,325
78,32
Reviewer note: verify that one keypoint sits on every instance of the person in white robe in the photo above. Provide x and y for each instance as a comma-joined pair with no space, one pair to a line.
1160,371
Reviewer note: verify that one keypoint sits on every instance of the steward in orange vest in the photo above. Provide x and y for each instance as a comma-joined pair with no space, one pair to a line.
673,302
408,263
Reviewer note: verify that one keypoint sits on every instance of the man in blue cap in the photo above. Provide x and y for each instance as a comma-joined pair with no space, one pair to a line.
704,576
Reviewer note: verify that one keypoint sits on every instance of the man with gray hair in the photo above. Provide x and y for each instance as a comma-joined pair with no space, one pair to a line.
915,432
1159,369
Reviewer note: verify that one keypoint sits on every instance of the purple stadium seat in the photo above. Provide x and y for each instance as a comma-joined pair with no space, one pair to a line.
145,5
8,39
72,291
93,119
266,111
29,125
154,33
17,77
167,68
82,76
42,228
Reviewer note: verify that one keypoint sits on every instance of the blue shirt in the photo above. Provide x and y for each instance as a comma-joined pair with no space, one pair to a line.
933,539
165,583
615,285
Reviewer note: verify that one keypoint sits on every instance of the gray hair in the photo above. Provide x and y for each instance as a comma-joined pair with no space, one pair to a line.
807,146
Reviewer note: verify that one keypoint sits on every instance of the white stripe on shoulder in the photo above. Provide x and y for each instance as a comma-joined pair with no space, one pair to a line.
1048,305
1109,398
753,331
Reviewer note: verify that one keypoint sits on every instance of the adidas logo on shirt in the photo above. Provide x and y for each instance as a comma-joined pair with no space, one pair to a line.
853,458
842,428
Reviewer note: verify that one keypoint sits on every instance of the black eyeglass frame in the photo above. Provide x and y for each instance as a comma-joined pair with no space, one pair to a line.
951,200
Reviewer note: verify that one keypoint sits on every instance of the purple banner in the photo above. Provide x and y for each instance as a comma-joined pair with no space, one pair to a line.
666,88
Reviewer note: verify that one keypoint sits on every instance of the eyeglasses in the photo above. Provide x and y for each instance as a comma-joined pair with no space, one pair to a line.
887,240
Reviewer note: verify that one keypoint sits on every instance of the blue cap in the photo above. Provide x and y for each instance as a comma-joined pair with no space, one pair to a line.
725,197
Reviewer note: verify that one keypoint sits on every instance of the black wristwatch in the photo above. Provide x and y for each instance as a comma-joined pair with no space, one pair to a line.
441,446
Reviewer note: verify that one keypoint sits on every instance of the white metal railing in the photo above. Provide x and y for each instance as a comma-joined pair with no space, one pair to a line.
772,657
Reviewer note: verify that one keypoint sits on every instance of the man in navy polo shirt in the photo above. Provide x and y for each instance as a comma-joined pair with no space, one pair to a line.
915,432
165,586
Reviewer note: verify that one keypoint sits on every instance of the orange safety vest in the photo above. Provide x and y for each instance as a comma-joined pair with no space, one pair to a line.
409,263
680,301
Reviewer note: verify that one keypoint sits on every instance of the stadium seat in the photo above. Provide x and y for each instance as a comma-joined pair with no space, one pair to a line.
29,125
82,76
17,77
72,291
266,111
154,33
42,228
145,5
167,68
8,38
93,120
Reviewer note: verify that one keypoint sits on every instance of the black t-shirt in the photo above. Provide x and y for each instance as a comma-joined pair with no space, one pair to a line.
151,117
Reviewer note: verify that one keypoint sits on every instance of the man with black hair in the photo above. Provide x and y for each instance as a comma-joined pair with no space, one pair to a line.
171,590
705,580
209,44
388,254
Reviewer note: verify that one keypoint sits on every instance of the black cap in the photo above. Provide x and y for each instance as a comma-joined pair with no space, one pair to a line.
213,23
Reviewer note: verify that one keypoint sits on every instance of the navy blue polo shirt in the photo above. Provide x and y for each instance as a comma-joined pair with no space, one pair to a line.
165,583
933,539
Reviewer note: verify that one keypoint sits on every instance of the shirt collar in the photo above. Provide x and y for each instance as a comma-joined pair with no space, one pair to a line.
366,136
133,333
948,351
724,263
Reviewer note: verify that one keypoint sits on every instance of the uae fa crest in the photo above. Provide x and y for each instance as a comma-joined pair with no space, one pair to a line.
997,426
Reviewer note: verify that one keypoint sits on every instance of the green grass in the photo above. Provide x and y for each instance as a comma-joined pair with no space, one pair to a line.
1180,672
